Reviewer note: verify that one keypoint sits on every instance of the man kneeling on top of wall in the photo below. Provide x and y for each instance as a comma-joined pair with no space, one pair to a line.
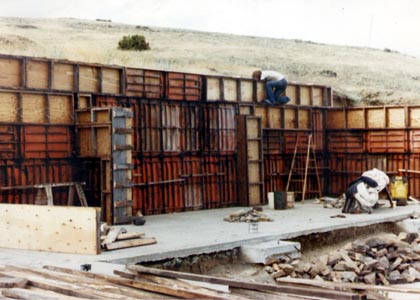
363,193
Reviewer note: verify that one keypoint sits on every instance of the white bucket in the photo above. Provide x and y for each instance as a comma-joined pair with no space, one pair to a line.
270,197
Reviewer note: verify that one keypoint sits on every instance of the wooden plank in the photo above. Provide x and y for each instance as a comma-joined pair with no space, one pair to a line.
88,78
112,235
25,294
304,291
10,75
37,74
63,78
131,243
130,235
50,228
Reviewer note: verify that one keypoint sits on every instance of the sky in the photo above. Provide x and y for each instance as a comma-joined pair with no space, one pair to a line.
381,24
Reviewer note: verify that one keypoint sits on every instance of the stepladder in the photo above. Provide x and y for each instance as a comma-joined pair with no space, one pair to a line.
303,178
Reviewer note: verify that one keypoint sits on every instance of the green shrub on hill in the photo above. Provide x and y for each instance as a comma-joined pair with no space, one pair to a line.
133,42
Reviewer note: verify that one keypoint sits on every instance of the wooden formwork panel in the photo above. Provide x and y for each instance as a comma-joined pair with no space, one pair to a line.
37,74
38,108
11,69
182,86
145,83
64,77
335,119
413,117
15,173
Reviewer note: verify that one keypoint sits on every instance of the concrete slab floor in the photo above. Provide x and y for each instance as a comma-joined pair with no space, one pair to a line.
191,233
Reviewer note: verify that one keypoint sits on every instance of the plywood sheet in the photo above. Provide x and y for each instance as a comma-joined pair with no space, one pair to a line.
84,139
37,74
261,111
88,79
356,118
253,129
335,119
213,88
245,110
376,118
111,81
247,90
289,118
9,107
63,77
255,195
61,109
10,72
274,117
414,114
304,119
396,117
305,95
292,93
253,150
261,95
103,141
230,89
33,108
254,174
50,228
317,96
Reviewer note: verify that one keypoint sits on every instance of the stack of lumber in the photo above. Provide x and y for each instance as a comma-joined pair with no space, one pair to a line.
113,238
377,261
247,215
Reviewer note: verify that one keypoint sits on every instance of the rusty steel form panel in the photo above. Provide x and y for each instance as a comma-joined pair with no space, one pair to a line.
387,141
275,175
16,177
345,141
183,86
283,141
145,83
52,75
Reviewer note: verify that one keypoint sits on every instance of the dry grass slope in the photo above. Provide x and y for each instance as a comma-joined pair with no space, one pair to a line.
362,75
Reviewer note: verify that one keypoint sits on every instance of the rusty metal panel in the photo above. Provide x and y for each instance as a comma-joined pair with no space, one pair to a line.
414,140
349,141
183,86
16,173
145,83
386,141
9,141
275,175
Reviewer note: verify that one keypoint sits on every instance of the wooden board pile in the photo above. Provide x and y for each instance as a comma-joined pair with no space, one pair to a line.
113,238
145,283
378,261
248,216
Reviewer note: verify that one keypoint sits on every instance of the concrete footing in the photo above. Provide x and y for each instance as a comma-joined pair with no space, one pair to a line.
269,252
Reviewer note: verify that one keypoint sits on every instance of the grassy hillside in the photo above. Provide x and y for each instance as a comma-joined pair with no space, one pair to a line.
361,75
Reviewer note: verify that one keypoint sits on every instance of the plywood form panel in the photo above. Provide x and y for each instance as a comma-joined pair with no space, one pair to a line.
111,80
274,117
396,117
230,89
38,74
335,119
414,117
317,96
304,119
261,94
63,77
58,229
213,88
60,109
356,118
290,118
255,195
245,110
88,79
34,108
292,91
247,90
305,95
9,107
10,75
376,118
261,112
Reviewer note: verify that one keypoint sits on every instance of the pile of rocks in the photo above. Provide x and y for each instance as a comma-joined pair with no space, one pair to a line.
380,261
331,202
249,216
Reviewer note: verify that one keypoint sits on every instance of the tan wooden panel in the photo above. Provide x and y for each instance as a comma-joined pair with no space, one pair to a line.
376,118
292,93
50,228
83,117
103,141
261,95
84,101
213,88
253,130
414,113
88,79
102,116
255,195
335,119
33,108
10,72
111,81
63,78
247,90
253,150
61,109
9,107
396,117
317,95
305,95
254,174
289,118
304,119
230,89
261,111
274,117
37,74
356,118
84,139
245,110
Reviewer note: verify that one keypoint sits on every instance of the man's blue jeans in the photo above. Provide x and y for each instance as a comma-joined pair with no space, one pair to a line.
275,89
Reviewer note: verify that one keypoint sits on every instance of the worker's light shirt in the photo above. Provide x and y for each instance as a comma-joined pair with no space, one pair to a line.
366,195
271,76
380,177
